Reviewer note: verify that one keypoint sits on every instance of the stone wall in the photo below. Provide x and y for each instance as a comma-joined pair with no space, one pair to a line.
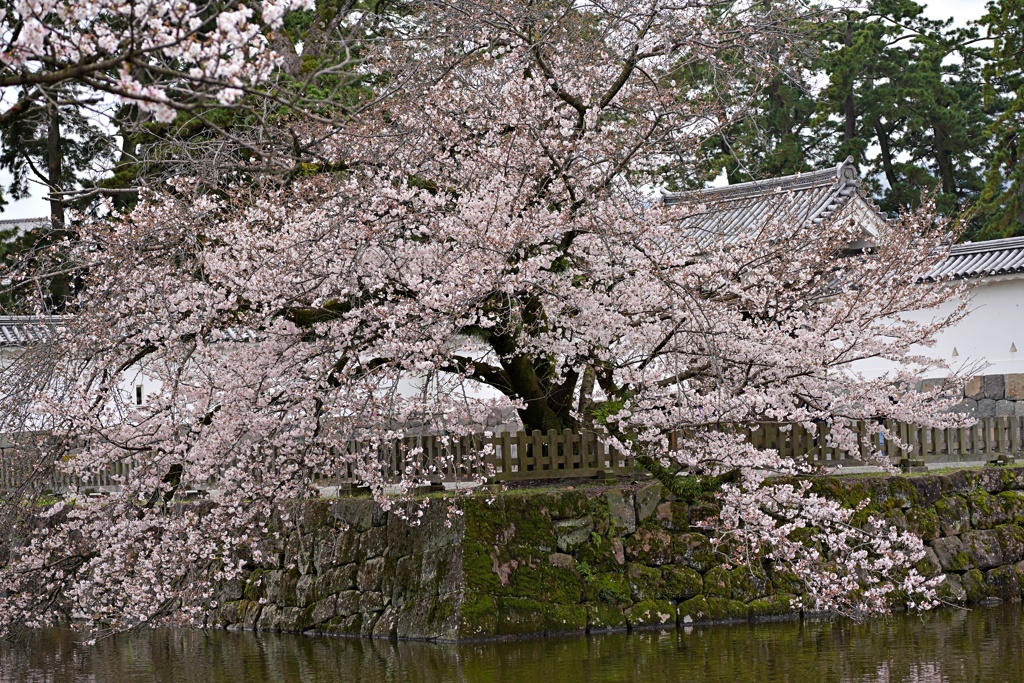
591,559
994,396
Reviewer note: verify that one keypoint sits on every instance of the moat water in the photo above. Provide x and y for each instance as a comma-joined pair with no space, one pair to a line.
947,646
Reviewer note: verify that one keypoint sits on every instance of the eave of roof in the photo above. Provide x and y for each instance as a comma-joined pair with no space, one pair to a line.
20,330
981,259
737,211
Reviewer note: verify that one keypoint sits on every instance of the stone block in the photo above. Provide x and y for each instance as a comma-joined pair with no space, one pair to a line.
993,387
269,619
673,516
621,509
348,603
1002,583
305,590
570,533
975,586
694,550
949,551
1018,409
354,512
251,616
605,618
1014,388
373,543
346,548
370,575
371,602
387,624
987,511
324,610
280,586
651,613
985,549
681,583
701,609
650,547
990,387
968,406
773,606
986,408
951,589
522,616
929,564
930,385
1005,408
562,560
647,500
336,580
645,583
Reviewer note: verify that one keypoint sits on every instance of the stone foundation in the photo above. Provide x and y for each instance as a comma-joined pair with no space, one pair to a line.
993,396
591,559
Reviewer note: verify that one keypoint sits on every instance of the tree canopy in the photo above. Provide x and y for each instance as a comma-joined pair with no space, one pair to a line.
467,213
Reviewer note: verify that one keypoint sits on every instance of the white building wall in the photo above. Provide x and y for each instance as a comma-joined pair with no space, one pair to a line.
980,344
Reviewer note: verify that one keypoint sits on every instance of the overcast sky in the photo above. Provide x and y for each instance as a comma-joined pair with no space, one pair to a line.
961,10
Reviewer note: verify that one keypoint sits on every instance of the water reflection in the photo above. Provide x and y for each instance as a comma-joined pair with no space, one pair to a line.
948,646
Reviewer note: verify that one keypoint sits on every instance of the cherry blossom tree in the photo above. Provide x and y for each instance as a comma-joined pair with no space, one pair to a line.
483,227
160,55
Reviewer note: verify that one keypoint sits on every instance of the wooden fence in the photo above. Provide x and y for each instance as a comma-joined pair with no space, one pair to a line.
568,454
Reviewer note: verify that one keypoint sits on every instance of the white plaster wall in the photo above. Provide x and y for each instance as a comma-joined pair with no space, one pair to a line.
982,340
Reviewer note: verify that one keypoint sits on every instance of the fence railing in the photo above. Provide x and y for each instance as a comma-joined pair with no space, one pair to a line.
569,454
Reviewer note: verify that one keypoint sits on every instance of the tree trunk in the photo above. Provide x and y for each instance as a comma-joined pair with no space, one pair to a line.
944,161
850,127
586,406
60,284
54,163
883,142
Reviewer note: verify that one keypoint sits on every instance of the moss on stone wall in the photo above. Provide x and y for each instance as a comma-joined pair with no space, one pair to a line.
595,558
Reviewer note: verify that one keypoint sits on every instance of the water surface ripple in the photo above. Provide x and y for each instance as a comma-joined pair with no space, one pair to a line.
947,646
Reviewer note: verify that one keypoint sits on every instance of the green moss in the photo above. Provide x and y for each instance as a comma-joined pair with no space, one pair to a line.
703,609
720,609
681,583
974,584
924,522
478,568
780,605
605,617
954,517
987,511
254,588
903,493
748,583
597,554
478,616
546,583
718,583
1013,504
609,588
645,583
651,613
522,616
785,581
564,504
694,551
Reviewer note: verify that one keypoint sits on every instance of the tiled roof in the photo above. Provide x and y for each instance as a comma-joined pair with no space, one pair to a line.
20,330
22,225
981,259
743,210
